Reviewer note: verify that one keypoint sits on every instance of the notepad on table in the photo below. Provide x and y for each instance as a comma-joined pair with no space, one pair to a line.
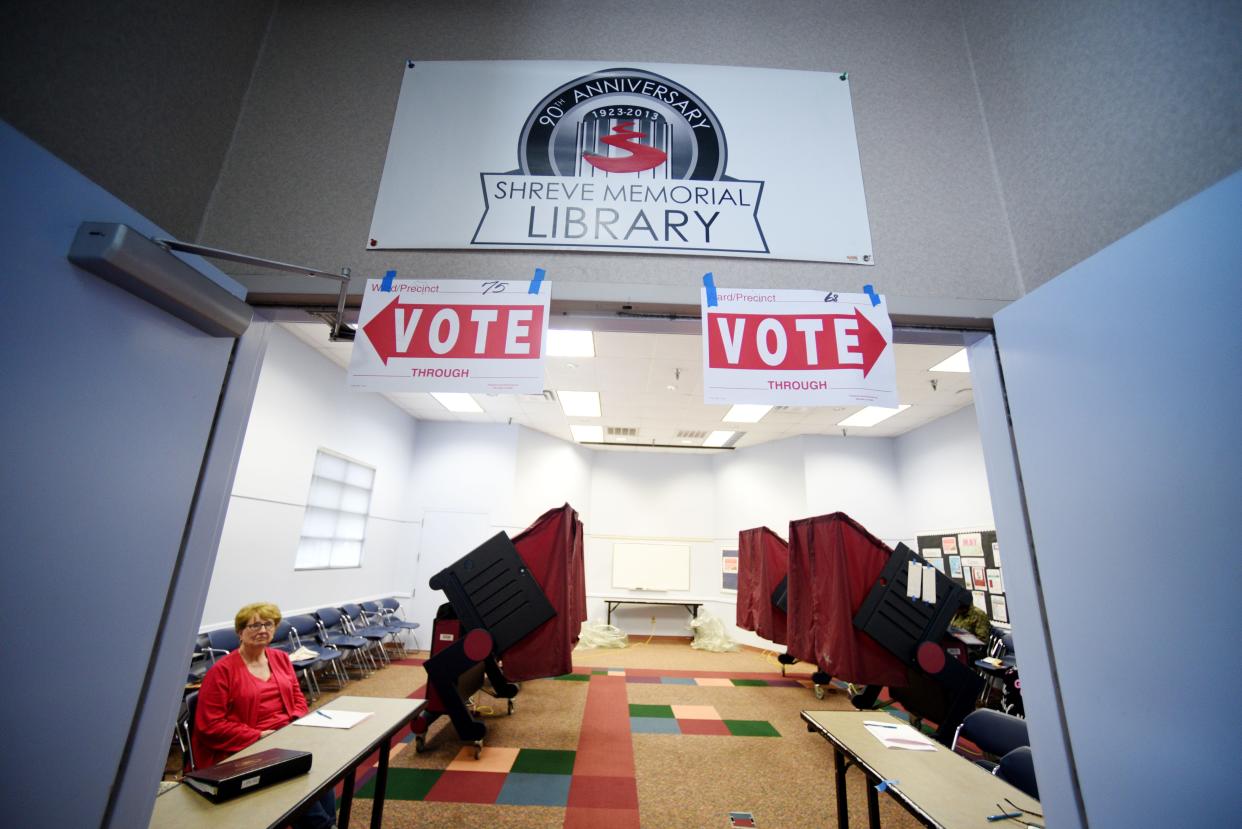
333,718
898,735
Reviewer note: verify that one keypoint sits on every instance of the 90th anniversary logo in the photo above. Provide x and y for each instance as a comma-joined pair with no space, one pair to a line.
622,158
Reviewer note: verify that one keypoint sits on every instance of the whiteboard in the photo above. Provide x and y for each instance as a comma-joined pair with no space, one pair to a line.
641,566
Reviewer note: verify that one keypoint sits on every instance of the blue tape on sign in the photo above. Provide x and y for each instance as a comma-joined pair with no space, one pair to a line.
536,282
386,285
869,290
711,289
884,784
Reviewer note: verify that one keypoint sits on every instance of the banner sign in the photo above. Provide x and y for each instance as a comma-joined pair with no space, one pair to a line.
451,336
663,158
805,348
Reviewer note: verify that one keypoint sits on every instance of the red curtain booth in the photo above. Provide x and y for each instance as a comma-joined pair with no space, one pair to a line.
833,562
552,550
763,561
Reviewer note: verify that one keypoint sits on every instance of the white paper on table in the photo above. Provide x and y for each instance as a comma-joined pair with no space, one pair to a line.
333,718
929,584
914,580
898,735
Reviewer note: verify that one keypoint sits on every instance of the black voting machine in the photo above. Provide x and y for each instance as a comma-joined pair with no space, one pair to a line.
493,603
940,687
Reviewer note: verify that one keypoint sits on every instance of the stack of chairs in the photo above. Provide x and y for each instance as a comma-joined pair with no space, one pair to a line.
356,623
386,612
304,630
333,631
285,639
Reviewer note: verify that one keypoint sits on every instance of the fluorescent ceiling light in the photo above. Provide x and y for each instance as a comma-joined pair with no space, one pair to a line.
584,433
872,415
457,402
746,413
954,362
563,343
579,403
718,438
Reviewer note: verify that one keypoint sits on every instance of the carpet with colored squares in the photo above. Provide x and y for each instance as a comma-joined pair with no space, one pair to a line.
630,741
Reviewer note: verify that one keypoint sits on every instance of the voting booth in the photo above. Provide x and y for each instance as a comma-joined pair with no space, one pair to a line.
833,563
763,564
513,613
552,549
908,611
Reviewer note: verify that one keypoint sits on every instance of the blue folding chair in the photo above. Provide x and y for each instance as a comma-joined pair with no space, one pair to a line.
185,728
391,608
200,661
995,733
374,616
284,639
221,642
1018,768
355,623
332,631
305,632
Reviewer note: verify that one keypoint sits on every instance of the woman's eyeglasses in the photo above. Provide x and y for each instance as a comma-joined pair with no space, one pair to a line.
258,626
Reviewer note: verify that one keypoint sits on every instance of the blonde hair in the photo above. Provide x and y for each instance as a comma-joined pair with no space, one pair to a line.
266,611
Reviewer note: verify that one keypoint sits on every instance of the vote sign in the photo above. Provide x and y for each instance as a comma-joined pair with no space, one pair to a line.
807,348
450,336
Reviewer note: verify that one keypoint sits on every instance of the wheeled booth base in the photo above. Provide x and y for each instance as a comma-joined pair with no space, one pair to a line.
456,673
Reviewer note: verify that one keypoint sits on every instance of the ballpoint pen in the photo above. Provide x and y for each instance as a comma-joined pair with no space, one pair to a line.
321,713
1004,816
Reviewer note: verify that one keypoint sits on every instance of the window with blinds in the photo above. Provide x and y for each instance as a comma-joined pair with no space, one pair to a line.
336,514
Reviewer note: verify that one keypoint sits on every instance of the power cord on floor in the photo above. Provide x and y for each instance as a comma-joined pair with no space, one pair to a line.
652,634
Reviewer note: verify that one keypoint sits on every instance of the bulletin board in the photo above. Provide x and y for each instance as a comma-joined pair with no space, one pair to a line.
973,560
649,566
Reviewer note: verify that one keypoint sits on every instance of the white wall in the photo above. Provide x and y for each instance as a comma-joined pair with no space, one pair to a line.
464,491
943,482
466,467
762,486
302,405
857,476
549,472
663,497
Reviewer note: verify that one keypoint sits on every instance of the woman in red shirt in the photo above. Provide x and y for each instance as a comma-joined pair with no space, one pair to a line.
249,694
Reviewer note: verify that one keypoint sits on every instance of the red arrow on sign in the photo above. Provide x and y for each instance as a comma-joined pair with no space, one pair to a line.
488,332
794,342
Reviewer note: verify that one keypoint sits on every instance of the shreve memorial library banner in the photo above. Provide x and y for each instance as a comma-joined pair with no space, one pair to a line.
655,158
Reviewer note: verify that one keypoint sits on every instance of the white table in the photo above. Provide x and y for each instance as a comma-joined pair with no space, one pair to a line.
940,788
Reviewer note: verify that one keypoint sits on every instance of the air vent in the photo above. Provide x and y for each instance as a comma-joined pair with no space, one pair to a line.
688,435
622,432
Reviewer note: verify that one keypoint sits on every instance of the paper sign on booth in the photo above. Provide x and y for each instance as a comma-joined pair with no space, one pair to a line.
785,347
451,336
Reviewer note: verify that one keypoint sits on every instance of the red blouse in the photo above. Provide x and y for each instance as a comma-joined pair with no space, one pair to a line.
234,707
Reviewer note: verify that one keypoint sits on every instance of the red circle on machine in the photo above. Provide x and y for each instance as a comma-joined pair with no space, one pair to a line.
477,644
931,658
